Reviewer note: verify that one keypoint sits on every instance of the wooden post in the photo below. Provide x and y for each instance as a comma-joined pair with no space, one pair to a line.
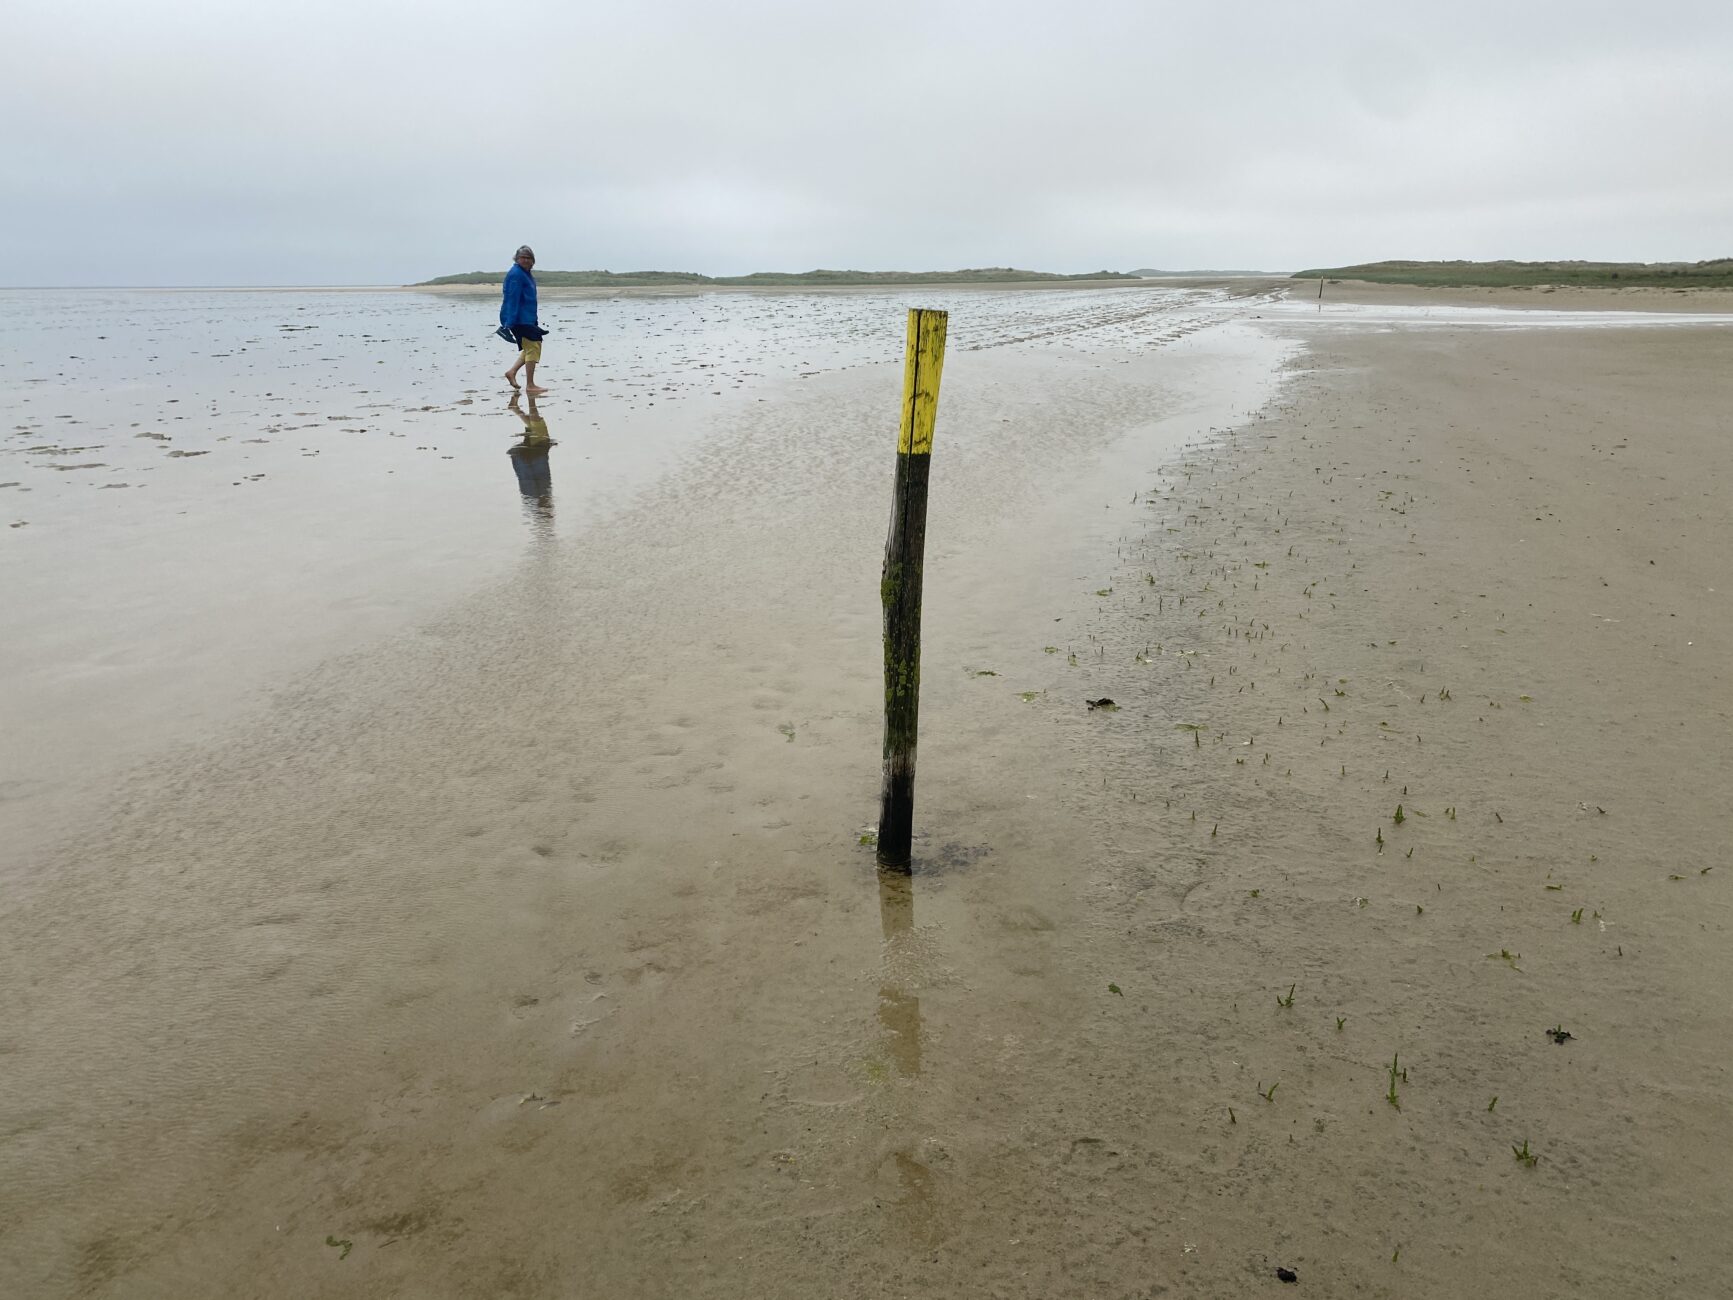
900,587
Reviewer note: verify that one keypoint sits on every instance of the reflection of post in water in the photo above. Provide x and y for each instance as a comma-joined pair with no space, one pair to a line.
529,459
903,1171
899,1011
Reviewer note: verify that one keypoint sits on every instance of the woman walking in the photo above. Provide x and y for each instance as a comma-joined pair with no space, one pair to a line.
517,314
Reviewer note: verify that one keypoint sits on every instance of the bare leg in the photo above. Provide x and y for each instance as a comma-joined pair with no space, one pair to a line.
511,375
530,380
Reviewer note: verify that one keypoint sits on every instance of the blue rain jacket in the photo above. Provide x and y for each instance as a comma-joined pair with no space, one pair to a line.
519,305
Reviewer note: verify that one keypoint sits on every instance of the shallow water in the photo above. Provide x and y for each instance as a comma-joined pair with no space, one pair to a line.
208,489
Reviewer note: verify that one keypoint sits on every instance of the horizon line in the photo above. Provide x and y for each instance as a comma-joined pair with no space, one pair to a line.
179,288
426,284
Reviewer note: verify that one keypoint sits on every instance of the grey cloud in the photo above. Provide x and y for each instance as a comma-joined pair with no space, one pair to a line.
319,142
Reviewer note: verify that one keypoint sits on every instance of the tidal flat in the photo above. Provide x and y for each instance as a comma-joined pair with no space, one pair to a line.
425,878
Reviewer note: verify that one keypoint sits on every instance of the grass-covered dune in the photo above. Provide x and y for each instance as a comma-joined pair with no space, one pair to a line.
1673,275
639,279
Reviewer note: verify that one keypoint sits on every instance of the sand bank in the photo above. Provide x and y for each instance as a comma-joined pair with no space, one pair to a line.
1479,577
1563,297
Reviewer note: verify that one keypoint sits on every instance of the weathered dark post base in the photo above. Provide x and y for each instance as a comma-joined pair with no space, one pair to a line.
900,592
900,588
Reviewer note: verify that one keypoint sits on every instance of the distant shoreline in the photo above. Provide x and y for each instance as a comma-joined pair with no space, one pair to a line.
201,288
676,287
687,290
1618,296
1716,273
822,278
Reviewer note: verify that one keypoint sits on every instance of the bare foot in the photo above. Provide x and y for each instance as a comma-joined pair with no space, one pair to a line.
534,391
511,379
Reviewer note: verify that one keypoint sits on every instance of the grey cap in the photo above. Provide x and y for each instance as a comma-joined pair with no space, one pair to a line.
522,250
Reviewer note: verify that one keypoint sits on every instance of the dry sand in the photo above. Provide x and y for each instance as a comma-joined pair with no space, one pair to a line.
1562,297
536,954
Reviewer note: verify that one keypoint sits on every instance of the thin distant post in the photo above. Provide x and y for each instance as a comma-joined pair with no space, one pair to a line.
900,587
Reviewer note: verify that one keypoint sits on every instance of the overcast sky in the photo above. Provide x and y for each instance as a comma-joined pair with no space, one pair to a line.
383,141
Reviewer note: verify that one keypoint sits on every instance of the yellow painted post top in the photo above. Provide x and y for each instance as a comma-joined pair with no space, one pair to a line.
924,362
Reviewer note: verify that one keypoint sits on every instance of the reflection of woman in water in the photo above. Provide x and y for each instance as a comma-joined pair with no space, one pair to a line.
529,459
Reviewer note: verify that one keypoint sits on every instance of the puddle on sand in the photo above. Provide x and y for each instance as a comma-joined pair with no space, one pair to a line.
899,1009
914,1202
529,462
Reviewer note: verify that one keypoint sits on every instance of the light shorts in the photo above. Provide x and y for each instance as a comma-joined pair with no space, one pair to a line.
530,351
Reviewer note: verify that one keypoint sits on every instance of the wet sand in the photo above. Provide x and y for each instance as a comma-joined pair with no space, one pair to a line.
1479,577
208,493
534,951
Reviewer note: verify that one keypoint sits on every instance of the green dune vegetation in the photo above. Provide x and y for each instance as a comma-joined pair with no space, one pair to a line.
772,279
1672,275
